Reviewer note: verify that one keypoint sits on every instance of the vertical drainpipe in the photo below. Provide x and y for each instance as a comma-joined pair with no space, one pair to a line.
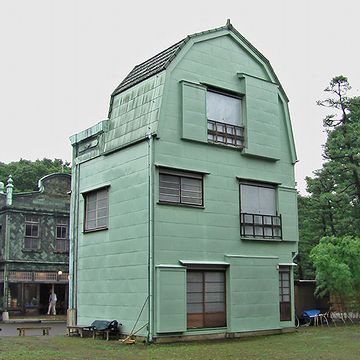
74,236
150,242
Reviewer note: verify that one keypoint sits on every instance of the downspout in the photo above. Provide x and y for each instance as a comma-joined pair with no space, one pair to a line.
74,239
150,241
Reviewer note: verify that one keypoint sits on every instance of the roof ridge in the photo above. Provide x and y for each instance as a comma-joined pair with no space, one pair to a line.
168,48
161,60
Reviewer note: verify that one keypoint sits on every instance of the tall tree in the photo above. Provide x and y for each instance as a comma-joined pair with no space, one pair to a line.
333,207
26,173
342,147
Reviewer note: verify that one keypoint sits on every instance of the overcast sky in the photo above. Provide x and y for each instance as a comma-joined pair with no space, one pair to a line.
60,61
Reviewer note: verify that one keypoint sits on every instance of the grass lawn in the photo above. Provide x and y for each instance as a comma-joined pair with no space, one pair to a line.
307,343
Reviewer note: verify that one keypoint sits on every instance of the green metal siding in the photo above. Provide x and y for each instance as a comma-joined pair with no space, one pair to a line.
253,295
135,113
171,299
112,264
288,209
262,118
194,126
209,234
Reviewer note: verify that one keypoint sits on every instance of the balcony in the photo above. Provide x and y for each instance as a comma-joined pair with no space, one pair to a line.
260,226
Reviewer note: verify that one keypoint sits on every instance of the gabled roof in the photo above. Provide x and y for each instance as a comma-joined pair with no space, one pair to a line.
161,61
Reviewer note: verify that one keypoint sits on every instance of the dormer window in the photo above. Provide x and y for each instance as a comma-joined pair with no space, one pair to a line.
224,115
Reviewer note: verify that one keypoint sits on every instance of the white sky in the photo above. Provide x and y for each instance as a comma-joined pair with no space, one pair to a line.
60,61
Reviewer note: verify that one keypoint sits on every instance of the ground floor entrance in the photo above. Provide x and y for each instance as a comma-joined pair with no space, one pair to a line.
27,293
33,299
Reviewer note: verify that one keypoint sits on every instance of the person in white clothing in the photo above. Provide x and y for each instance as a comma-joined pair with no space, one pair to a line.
52,303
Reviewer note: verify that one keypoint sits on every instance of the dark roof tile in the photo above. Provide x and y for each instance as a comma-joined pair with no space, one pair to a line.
160,61
150,67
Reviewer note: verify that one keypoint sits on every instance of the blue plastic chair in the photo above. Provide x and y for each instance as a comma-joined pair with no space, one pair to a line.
309,316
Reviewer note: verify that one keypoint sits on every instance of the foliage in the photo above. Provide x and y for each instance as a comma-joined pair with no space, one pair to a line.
333,207
26,173
337,262
309,232
342,147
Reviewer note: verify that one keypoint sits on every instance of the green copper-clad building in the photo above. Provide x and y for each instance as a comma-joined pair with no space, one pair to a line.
184,211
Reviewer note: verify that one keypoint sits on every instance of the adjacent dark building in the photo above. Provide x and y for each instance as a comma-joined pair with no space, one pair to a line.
34,245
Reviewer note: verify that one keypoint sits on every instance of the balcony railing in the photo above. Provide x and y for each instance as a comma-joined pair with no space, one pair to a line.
37,277
227,134
260,226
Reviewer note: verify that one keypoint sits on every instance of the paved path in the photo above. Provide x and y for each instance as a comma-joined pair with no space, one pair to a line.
10,329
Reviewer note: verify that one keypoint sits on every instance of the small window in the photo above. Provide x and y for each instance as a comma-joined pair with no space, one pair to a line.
62,235
180,187
285,293
96,210
224,116
31,233
258,216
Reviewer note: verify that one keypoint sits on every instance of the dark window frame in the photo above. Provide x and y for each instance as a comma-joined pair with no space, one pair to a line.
86,196
31,237
206,318
181,174
285,299
62,242
231,135
265,222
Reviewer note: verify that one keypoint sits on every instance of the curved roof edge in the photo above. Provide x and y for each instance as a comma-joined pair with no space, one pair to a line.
46,177
162,60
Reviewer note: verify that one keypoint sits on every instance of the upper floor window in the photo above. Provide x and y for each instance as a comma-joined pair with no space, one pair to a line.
31,232
96,209
224,114
180,187
258,211
62,234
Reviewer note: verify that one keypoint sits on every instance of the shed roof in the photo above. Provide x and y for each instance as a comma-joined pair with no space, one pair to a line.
160,61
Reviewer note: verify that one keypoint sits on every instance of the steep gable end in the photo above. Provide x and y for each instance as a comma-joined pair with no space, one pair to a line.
136,103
